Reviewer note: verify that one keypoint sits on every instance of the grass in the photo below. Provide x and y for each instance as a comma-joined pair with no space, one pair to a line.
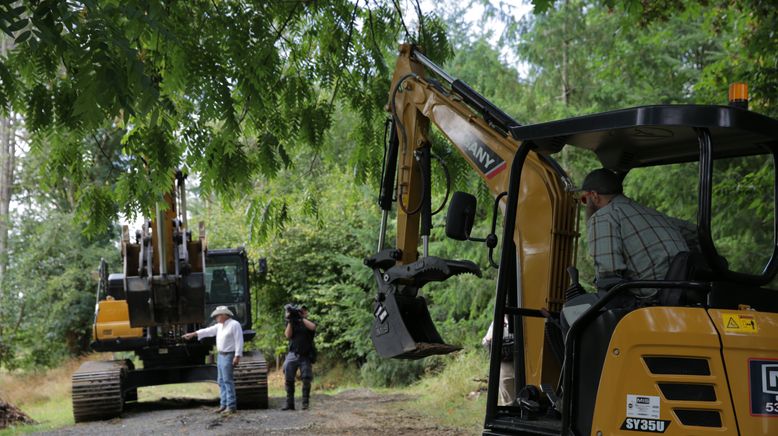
456,396
44,396
200,391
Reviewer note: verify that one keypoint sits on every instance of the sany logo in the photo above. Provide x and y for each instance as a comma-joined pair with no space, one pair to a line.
486,159
479,153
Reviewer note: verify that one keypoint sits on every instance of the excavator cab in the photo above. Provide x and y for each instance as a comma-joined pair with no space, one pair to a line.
702,330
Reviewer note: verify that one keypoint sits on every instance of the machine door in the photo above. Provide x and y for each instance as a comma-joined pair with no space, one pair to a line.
226,284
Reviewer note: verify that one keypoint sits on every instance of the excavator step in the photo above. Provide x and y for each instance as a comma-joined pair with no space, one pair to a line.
97,390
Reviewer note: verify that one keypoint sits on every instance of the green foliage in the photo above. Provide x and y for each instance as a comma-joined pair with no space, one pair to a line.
227,89
276,109
49,291
457,393
387,372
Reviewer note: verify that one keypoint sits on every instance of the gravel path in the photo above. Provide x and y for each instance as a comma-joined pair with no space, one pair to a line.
351,412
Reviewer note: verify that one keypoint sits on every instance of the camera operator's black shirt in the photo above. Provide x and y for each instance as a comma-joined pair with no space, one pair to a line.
301,342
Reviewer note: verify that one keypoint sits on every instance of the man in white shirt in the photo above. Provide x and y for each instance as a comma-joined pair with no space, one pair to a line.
507,387
229,347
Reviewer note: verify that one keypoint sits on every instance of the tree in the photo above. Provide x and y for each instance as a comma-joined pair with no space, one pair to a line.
227,89
7,166
49,297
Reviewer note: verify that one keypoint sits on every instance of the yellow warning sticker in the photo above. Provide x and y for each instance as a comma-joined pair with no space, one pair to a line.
737,323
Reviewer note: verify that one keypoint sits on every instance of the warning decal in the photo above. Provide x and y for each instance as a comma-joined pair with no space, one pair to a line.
737,323
642,406
763,387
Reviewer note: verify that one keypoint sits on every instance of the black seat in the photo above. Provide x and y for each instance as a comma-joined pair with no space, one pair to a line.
687,266
220,287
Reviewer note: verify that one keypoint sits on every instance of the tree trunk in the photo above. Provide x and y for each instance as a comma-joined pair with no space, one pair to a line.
7,157
7,152
565,47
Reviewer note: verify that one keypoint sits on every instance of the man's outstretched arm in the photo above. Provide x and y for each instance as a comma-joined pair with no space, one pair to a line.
203,333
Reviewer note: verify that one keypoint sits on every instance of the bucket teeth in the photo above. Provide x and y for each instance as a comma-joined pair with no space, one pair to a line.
430,269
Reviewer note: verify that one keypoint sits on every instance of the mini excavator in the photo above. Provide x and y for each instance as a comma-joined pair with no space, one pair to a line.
674,366
168,286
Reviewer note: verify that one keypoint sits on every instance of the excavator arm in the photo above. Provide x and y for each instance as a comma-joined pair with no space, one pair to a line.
546,225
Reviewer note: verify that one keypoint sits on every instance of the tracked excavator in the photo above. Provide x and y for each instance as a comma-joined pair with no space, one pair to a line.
700,358
168,286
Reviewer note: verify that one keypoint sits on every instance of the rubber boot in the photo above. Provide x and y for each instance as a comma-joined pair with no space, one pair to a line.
289,396
306,394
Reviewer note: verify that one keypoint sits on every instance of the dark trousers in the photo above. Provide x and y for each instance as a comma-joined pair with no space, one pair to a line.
292,363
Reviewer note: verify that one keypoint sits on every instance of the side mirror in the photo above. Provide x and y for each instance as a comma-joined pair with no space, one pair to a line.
461,216
262,266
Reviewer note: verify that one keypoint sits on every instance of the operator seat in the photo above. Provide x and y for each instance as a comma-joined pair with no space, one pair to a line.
220,287
687,266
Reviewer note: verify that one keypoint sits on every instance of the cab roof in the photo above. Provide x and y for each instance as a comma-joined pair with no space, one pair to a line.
656,135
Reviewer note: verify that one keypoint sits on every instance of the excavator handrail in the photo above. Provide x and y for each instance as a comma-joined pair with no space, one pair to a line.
504,279
593,312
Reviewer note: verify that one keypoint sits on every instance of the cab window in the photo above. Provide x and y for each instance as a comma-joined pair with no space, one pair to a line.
224,280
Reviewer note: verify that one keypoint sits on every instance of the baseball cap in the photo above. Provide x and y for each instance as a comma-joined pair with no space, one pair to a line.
602,181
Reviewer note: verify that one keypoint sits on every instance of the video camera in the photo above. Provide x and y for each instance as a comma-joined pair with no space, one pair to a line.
295,312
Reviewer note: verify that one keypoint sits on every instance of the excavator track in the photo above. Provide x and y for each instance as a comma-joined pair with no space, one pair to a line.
97,390
251,381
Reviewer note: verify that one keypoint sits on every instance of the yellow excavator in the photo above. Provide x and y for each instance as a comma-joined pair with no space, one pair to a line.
168,286
700,358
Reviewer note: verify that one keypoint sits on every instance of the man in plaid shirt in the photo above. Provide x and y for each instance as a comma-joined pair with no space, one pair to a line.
629,241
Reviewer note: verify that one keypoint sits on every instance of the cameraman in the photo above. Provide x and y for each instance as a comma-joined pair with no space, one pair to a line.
300,332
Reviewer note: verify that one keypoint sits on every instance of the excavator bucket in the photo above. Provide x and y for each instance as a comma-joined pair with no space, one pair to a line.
403,329
402,325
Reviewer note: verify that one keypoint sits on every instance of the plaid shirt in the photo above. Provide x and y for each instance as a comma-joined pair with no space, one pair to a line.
629,241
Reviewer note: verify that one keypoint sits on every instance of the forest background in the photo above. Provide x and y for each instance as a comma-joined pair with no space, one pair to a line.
276,110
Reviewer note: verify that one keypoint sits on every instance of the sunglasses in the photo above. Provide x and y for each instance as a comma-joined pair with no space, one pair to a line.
585,197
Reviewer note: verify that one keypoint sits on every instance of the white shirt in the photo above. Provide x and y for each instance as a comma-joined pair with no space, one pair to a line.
229,336
489,333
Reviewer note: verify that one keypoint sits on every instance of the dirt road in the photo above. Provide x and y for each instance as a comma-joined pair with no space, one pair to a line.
351,412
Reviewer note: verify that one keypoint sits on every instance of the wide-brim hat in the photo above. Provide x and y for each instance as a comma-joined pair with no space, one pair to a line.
221,310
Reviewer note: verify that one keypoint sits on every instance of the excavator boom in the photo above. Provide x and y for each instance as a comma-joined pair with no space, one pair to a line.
546,223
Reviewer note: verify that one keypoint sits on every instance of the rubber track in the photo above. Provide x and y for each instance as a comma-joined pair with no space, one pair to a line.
97,390
251,381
